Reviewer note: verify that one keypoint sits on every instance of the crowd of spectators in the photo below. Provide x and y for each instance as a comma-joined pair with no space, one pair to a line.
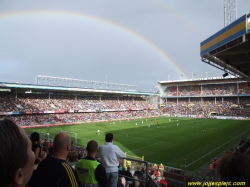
207,90
244,88
9,102
226,106
73,117
204,110
90,107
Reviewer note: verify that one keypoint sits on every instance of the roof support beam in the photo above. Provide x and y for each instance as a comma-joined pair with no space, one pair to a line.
212,60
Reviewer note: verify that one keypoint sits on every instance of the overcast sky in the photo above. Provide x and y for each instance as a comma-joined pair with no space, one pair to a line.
136,42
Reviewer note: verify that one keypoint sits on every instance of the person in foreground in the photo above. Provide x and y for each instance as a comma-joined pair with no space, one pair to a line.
16,156
109,154
234,168
91,173
55,171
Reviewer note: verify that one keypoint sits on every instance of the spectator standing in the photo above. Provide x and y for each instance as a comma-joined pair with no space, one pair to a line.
91,173
55,171
16,157
139,173
128,174
129,163
36,148
109,154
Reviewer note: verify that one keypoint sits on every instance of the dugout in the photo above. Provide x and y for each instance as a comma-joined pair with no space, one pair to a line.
213,113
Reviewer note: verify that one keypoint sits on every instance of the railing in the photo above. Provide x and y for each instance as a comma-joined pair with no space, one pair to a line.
140,164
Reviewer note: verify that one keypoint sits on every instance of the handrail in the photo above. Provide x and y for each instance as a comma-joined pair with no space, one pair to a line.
148,177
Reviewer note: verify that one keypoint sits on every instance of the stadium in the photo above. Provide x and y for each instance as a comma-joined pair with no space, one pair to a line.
187,125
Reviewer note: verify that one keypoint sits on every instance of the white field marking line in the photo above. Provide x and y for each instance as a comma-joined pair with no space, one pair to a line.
89,139
86,130
138,138
216,149
144,147
122,134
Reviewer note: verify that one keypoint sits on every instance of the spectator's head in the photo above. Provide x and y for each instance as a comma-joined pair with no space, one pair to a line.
109,137
16,156
45,144
46,149
92,148
34,137
73,156
62,145
81,155
43,155
235,168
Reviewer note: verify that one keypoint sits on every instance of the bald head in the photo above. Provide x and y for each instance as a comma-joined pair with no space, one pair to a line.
62,142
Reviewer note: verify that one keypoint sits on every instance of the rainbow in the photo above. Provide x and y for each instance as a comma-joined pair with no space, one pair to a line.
93,18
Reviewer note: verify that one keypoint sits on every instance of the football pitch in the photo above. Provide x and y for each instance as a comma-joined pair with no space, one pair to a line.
169,144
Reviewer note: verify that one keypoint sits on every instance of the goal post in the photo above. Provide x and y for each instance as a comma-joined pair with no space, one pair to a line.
72,133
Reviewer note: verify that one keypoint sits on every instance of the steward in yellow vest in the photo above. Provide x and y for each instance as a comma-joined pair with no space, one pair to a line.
161,167
90,172
129,163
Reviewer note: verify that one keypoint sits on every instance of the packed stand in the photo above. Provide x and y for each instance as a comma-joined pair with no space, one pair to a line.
43,102
205,90
226,106
77,117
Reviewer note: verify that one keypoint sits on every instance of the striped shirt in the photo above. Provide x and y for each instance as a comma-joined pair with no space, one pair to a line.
53,172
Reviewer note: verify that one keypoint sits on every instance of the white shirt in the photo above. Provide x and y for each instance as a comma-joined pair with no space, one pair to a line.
109,154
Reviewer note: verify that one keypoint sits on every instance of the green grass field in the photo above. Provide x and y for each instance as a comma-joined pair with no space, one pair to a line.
169,144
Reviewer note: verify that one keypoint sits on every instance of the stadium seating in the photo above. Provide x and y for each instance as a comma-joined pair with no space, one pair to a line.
40,108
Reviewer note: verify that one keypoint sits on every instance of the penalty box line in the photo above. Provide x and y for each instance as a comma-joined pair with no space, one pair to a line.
215,149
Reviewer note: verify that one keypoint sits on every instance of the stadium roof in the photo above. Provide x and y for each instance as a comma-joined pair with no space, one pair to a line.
209,80
229,48
69,89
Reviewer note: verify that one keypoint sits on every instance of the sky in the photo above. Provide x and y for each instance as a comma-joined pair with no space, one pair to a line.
135,42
